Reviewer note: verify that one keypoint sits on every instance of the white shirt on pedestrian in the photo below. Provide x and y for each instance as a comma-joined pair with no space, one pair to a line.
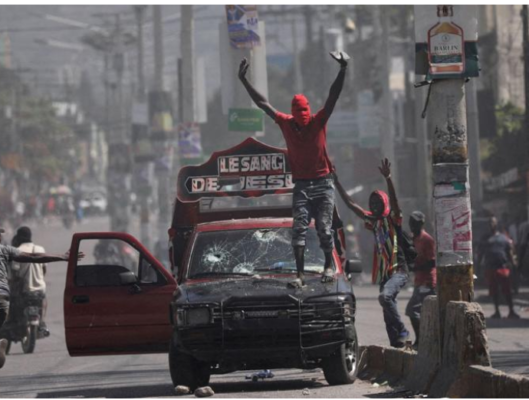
32,273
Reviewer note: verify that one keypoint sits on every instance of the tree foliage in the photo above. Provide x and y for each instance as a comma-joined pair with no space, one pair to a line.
508,149
33,131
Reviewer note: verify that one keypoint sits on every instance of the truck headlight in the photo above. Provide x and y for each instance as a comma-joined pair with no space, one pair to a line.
198,316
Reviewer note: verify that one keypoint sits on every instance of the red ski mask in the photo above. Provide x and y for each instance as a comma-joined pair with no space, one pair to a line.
301,110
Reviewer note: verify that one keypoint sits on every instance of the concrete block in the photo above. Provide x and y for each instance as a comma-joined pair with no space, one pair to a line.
476,381
464,344
426,362
376,357
408,359
524,388
509,386
393,362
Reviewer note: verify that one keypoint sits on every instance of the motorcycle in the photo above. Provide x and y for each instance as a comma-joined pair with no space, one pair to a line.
23,324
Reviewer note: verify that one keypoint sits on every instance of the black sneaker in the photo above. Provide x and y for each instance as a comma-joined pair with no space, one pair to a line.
496,315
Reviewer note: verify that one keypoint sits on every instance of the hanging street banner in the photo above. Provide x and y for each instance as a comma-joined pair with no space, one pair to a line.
446,41
245,120
243,26
189,141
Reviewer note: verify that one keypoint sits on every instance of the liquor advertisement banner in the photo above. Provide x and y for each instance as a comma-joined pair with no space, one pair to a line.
243,26
446,41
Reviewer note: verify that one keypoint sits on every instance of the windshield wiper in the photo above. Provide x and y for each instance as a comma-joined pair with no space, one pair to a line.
203,274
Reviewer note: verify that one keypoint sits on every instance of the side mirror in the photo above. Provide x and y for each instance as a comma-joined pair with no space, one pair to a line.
353,266
127,278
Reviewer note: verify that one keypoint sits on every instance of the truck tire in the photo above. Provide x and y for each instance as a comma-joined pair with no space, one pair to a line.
341,367
186,370
29,341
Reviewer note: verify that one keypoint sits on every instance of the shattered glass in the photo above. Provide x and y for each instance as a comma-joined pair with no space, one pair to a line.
252,252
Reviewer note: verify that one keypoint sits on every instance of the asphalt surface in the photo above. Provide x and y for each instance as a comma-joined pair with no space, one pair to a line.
51,372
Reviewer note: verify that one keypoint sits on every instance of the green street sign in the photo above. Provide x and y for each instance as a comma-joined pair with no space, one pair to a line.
245,120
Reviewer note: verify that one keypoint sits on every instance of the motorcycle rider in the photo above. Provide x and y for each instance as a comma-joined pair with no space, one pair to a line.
31,275
8,254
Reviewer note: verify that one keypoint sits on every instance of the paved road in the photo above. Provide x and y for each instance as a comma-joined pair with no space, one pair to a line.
51,372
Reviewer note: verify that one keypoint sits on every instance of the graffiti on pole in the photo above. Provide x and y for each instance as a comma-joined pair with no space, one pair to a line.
453,219
243,26
446,41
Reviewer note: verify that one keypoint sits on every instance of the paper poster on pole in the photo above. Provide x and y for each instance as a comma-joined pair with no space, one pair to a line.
243,26
189,141
454,224
446,41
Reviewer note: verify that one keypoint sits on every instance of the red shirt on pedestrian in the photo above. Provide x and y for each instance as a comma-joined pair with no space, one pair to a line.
425,247
306,145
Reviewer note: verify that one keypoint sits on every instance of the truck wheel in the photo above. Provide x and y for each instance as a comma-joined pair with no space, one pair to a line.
341,367
186,370
28,342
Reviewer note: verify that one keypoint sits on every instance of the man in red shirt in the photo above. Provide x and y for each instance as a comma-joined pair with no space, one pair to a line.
306,138
424,270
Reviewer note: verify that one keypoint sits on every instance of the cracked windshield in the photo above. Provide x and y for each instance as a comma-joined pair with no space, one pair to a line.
252,252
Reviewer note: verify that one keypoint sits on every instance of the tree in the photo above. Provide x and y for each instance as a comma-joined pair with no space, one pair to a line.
507,149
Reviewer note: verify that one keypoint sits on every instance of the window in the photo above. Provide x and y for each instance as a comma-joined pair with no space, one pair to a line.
251,252
105,260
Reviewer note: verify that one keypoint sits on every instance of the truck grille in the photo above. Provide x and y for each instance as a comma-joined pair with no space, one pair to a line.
258,325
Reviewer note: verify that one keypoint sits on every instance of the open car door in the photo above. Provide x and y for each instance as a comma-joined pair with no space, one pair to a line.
117,298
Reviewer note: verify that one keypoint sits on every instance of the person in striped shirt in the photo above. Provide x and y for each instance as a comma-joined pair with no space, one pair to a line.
390,270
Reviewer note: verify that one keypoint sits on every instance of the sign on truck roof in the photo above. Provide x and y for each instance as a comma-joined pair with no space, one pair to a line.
250,169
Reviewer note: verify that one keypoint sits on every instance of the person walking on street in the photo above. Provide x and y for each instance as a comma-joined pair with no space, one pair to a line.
7,255
31,275
496,255
423,269
306,138
390,269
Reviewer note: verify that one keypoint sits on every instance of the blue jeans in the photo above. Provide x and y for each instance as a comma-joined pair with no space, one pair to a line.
313,199
388,300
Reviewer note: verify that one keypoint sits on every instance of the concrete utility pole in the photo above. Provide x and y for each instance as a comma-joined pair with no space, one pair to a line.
447,111
473,147
424,176
387,140
525,37
142,167
188,64
162,148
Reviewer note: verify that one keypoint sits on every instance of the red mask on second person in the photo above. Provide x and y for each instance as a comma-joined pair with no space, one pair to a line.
301,110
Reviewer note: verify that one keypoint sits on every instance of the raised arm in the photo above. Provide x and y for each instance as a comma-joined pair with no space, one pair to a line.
359,211
258,98
336,87
385,170
41,258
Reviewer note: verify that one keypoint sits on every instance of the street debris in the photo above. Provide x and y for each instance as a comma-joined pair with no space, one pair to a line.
181,390
264,374
305,392
205,391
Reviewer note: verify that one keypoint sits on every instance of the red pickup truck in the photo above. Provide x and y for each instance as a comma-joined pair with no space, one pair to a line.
223,305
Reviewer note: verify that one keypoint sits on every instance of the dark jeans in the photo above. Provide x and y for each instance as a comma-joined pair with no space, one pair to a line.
313,199
388,300
414,307
4,310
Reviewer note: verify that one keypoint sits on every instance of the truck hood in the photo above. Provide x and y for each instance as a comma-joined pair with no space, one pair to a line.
265,286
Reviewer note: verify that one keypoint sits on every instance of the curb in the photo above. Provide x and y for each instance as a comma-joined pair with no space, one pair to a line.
475,381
